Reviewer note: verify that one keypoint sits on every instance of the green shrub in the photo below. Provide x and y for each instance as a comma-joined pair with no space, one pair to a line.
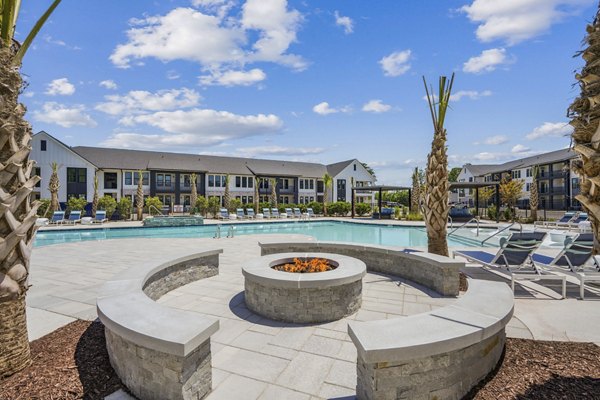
76,204
262,205
362,209
214,205
508,214
109,204
234,204
124,208
339,208
201,205
414,217
492,212
397,212
316,207
153,205
43,208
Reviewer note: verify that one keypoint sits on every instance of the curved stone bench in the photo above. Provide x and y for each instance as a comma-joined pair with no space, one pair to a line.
159,352
438,273
441,354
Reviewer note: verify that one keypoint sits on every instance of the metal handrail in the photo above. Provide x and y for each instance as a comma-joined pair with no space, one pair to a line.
502,230
451,222
154,207
217,232
466,223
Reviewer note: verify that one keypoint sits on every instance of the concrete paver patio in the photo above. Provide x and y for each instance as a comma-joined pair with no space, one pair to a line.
254,357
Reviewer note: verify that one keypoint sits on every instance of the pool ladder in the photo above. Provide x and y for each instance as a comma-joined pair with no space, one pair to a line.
230,232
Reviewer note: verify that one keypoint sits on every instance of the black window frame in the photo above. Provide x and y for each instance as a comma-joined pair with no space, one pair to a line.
43,145
113,181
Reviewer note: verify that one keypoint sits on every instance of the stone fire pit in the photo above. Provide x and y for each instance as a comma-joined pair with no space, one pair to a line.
304,297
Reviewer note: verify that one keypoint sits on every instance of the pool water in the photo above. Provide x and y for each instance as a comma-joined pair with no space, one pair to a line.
386,235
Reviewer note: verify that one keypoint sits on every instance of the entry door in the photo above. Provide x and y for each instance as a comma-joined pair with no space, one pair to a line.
341,190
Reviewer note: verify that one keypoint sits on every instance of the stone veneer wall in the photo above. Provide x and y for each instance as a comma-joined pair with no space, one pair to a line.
442,376
154,375
181,274
441,277
305,305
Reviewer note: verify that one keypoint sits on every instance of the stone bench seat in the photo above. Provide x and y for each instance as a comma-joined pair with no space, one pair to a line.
159,352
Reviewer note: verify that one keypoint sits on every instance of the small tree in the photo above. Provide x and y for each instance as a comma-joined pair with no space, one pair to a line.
486,193
201,205
353,195
234,204
76,203
213,206
226,195
53,186
44,207
256,195
153,204
533,192
109,204
510,191
273,197
194,193
139,197
124,208
416,192
327,182
95,198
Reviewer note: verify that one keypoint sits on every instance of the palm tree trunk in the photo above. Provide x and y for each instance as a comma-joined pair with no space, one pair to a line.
533,196
139,197
17,218
194,192
256,196
95,199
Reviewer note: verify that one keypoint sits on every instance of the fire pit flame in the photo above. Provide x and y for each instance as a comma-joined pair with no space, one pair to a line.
306,266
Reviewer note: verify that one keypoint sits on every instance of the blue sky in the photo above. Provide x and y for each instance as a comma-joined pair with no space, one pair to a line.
310,81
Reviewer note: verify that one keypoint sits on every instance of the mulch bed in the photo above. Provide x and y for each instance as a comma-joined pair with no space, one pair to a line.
69,363
72,363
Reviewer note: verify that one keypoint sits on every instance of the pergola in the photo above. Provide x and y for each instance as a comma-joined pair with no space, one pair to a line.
380,189
477,186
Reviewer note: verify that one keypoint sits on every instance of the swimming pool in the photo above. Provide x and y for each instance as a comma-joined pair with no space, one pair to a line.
387,235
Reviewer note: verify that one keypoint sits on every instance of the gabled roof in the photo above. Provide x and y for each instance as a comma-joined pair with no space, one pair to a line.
335,169
68,148
539,159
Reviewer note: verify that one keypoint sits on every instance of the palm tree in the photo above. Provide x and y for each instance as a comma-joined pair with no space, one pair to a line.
194,194
327,182
586,137
353,196
256,196
17,228
226,195
53,186
534,197
416,192
436,178
139,197
95,198
273,197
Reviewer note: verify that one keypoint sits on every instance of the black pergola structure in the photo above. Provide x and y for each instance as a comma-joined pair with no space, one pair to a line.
477,186
380,189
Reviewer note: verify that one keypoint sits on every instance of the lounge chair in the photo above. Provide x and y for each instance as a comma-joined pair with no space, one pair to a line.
310,213
563,221
275,213
58,217
266,213
575,259
581,217
240,213
289,213
100,217
250,213
297,213
515,257
223,213
74,217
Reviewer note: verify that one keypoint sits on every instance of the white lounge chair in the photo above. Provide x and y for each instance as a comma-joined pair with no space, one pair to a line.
289,213
58,217
74,217
275,213
223,213
310,213
250,213
100,217
240,213
266,213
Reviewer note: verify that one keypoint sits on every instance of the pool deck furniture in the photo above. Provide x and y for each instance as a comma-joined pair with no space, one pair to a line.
100,217
439,354
266,213
74,217
42,221
240,213
250,213
223,213
275,213
310,213
58,217
157,351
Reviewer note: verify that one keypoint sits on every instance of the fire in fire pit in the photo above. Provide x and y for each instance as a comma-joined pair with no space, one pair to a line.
306,265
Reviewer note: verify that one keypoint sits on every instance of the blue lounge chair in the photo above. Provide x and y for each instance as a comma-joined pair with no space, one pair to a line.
223,213
74,217
266,213
581,217
515,257
250,213
100,217
575,259
310,213
240,213
58,217
289,213
297,213
563,221
275,213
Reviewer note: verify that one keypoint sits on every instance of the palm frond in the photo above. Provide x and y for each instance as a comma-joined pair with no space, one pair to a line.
34,31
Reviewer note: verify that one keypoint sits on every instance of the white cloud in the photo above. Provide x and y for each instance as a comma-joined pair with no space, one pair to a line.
109,84
29,94
376,106
234,78
396,63
138,101
67,117
61,87
345,22
550,129
494,140
519,148
194,128
517,20
487,61
324,108
278,151
471,94
263,32
172,75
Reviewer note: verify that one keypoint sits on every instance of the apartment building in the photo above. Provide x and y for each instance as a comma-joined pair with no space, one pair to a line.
557,183
169,175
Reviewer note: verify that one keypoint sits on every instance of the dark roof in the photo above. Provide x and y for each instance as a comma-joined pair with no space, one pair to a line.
138,159
383,188
335,169
471,185
539,159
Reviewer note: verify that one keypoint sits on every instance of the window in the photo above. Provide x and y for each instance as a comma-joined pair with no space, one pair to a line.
110,180
145,178
76,175
285,183
355,167
216,181
263,184
43,145
160,180
250,182
238,181
528,187
187,181
38,171
528,172
128,180
211,181
575,183
167,180
312,184
301,183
